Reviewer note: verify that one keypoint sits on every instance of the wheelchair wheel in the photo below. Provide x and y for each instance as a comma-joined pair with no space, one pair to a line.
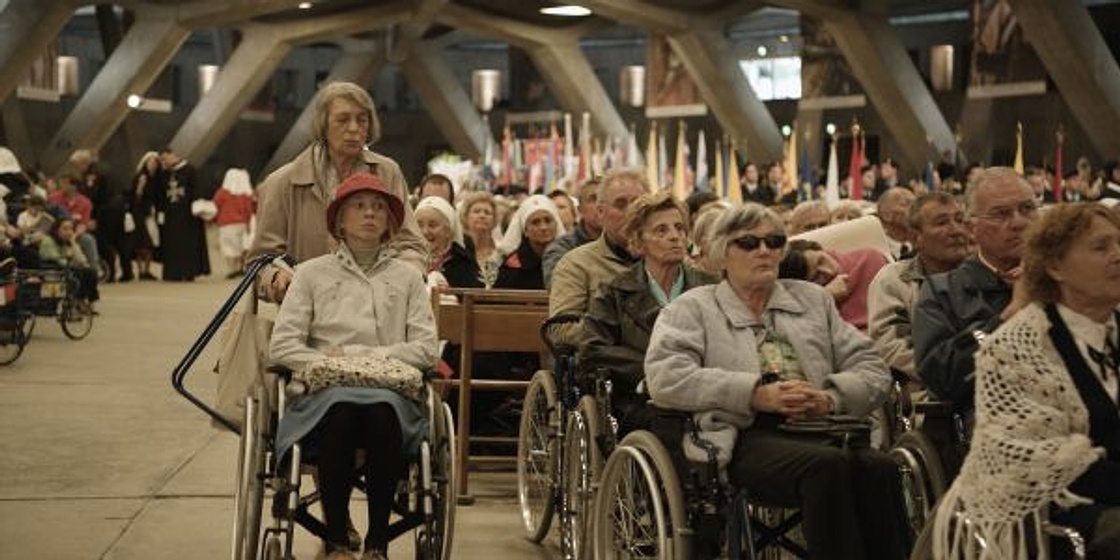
249,498
584,467
536,455
640,509
433,540
14,338
76,320
923,478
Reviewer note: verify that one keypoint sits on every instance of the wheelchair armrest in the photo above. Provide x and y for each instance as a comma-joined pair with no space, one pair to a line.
282,372
1076,541
941,409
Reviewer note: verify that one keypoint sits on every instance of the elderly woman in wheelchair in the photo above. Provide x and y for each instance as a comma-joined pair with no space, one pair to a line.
1046,444
619,321
766,367
356,322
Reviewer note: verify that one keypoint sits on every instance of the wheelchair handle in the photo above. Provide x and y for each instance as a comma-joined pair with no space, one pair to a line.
227,308
556,320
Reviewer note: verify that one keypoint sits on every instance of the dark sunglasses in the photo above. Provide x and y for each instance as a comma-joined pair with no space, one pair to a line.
752,242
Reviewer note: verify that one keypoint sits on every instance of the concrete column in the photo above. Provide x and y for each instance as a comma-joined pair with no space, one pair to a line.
1079,61
711,61
447,102
894,87
251,65
569,75
27,27
134,65
557,56
355,65
16,136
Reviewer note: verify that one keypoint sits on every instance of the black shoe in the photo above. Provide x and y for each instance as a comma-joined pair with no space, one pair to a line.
147,276
123,279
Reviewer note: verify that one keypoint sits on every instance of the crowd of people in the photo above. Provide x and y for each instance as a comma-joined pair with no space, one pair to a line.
990,296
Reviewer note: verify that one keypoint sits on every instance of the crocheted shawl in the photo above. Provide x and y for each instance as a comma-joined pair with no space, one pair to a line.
1029,444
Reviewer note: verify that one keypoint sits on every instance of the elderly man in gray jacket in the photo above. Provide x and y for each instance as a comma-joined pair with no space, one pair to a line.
752,353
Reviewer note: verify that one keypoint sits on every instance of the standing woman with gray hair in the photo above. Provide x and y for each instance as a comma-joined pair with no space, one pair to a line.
294,198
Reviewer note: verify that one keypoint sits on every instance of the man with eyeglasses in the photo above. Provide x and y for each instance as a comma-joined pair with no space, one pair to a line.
958,309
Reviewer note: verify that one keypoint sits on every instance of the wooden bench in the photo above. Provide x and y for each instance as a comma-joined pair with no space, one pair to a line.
487,321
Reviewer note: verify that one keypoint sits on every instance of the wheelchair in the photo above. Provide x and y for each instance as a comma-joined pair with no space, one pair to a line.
653,503
16,323
425,499
563,435
52,292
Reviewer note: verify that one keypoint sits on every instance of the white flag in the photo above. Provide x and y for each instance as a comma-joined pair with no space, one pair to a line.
832,184
701,163
633,154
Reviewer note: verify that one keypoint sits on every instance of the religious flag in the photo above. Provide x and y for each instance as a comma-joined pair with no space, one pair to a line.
734,189
1019,148
1058,168
791,182
679,164
663,178
855,165
633,154
832,183
701,163
808,187
651,158
719,187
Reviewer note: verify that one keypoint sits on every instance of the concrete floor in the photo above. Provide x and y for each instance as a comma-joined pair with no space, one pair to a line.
101,459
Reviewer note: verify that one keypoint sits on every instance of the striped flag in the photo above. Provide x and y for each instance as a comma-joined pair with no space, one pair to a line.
719,187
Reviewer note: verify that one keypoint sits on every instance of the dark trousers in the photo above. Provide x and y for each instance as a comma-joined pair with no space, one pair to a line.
345,429
850,500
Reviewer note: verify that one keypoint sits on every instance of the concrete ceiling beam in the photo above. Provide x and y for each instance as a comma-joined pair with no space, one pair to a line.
447,102
132,68
711,61
557,56
27,28
893,85
1075,55
261,51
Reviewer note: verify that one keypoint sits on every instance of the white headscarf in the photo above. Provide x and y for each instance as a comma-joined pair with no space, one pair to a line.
8,161
143,163
237,182
516,230
441,205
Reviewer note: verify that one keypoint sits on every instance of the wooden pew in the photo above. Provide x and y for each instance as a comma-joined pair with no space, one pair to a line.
487,321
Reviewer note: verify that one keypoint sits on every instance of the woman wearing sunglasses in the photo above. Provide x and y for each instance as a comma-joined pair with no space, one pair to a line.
752,354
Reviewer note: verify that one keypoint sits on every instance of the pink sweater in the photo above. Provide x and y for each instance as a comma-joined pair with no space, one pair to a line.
861,266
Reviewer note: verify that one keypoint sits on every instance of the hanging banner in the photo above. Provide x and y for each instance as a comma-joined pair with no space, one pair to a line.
670,90
1004,64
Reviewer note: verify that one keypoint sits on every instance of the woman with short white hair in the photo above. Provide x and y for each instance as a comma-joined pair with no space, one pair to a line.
754,354
449,263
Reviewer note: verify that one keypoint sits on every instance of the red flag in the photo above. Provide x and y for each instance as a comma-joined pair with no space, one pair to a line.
855,166
1058,170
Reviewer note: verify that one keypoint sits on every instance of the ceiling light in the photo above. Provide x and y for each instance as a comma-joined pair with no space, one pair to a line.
305,5
830,128
762,50
786,130
784,38
134,101
566,10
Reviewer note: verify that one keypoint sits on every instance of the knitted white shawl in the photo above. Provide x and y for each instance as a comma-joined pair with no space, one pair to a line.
1030,443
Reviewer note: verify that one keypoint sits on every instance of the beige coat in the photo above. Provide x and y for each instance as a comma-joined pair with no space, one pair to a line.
292,217
333,306
576,280
890,310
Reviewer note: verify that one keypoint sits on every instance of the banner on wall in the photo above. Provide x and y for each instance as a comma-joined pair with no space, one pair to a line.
670,89
1004,64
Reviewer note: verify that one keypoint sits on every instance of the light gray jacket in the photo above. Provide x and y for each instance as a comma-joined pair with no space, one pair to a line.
703,357
890,311
332,305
